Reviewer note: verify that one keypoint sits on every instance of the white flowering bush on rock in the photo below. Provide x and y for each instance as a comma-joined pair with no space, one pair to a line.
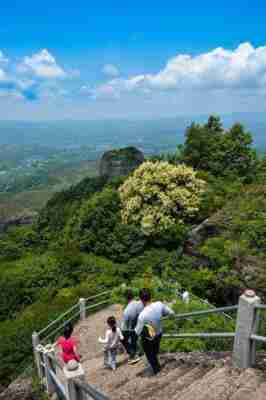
161,197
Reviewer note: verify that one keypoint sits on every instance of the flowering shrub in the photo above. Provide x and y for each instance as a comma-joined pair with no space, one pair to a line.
159,196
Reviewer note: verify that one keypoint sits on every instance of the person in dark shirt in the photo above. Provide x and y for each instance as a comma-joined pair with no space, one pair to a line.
129,322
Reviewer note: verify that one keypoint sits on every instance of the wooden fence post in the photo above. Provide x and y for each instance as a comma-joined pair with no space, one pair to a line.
243,352
82,309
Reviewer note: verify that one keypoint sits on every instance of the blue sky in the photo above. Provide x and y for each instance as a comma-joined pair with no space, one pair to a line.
136,59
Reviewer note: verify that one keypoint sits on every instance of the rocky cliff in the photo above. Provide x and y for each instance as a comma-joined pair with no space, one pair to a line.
120,162
23,219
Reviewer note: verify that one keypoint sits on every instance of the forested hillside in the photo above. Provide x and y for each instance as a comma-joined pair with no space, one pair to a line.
100,234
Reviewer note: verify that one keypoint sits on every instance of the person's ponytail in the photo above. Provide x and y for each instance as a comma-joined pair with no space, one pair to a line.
111,321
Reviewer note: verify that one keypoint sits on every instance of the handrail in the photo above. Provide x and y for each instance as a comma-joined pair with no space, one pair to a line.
261,306
60,327
58,319
199,335
96,305
258,338
70,310
57,383
209,304
98,295
54,359
90,390
205,312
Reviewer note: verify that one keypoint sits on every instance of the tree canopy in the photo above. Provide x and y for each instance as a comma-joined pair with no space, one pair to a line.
159,196
222,152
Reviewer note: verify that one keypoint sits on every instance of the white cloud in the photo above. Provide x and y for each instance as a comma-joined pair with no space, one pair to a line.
3,63
110,70
102,92
115,87
2,75
41,65
3,59
244,67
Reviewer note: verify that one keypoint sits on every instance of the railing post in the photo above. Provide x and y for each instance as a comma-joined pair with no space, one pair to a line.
50,388
82,309
253,342
35,344
243,352
71,390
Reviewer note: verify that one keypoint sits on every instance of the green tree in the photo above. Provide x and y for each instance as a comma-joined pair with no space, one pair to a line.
211,148
98,228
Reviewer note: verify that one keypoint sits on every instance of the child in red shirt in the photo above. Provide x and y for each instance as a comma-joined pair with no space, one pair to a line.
68,345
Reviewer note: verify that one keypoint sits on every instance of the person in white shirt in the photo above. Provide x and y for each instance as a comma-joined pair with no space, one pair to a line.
113,337
150,329
185,297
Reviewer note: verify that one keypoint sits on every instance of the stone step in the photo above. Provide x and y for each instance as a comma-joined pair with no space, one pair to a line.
111,381
143,387
197,388
182,383
222,388
164,384
247,384
260,393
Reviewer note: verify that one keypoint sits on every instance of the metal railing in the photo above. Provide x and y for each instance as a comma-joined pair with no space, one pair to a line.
89,391
206,312
206,302
59,386
259,327
73,314
50,370
203,335
246,336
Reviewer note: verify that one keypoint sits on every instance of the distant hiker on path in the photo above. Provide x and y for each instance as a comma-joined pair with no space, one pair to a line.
129,322
112,339
150,329
185,297
68,345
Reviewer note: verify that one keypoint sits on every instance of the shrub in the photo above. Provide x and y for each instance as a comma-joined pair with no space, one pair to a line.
98,228
160,197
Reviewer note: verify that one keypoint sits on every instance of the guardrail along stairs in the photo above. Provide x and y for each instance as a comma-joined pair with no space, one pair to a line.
192,376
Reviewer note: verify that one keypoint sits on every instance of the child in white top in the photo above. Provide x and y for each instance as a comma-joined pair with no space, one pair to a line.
113,336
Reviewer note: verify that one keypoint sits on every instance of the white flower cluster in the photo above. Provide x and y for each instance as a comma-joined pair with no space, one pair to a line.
160,195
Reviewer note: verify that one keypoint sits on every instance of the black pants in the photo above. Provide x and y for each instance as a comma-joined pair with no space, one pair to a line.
151,349
130,342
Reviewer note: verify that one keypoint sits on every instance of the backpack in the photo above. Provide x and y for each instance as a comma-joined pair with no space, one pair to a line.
148,332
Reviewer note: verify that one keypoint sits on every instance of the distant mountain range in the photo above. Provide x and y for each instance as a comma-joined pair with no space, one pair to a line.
162,134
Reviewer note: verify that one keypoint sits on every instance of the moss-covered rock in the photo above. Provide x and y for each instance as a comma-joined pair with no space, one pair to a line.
120,162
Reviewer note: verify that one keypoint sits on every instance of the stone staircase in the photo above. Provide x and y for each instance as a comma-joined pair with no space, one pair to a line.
183,377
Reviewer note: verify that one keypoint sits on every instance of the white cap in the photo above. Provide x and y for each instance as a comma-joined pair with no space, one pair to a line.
72,365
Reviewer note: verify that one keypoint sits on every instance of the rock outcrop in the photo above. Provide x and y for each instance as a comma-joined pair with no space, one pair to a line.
198,235
120,162
21,389
23,219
